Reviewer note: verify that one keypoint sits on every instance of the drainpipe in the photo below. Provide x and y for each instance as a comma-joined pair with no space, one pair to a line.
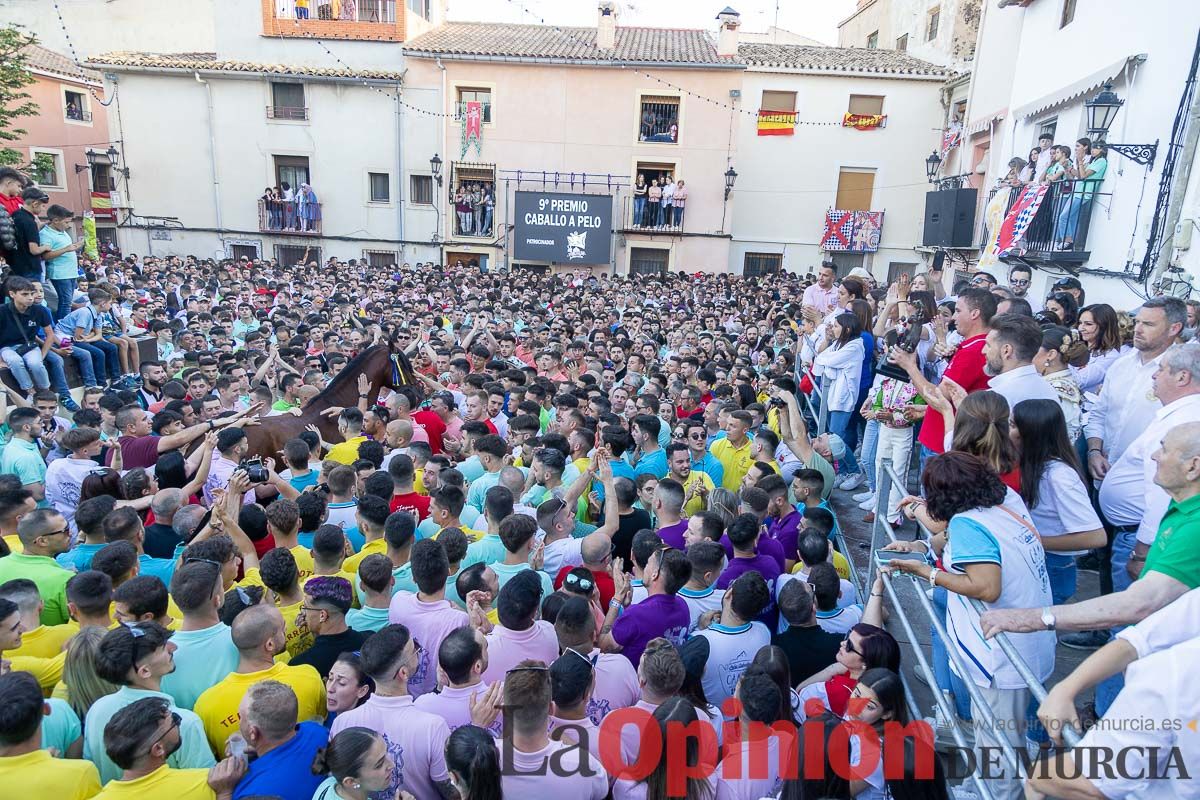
212,148
399,175
442,145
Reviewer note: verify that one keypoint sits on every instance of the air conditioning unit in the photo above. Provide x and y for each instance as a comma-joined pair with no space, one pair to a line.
117,198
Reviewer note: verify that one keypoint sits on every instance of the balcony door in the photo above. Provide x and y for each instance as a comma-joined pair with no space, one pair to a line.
292,169
855,187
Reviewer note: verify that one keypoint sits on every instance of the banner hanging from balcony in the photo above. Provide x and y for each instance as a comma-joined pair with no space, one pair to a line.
563,228
863,122
852,231
950,139
1019,217
472,127
993,219
776,123
102,205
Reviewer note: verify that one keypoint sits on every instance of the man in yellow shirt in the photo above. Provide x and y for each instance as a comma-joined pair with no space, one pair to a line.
350,423
46,671
25,769
283,523
281,575
734,450
696,484
37,640
258,634
139,739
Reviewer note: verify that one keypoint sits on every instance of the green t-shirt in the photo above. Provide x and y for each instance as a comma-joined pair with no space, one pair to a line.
51,580
1177,543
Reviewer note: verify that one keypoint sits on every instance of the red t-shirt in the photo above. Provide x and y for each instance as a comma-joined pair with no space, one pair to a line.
491,426
10,204
604,583
264,545
137,451
433,426
965,369
1012,479
412,502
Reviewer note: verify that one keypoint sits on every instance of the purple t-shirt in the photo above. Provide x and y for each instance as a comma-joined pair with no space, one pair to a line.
766,547
763,565
786,532
673,534
658,615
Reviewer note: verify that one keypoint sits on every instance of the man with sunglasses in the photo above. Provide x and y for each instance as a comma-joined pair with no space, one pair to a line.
1020,278
135,658
43,534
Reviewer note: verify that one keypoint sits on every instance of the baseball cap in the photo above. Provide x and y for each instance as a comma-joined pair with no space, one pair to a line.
837,447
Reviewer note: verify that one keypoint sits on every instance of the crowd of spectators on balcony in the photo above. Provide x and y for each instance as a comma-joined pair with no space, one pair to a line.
1074,175
475,206
287,209
659,204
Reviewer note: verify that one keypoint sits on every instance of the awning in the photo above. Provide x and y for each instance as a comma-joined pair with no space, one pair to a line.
1077,89
983,123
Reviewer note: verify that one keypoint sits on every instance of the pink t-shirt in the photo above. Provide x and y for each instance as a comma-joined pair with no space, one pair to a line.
454,705
429,624
752,783
527,775
507,648
616,685
636,790
588,729
415,739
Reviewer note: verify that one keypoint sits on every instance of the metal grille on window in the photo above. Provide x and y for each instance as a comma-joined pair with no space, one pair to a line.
648,261
755,264
290,255
660,119
381,258
421,189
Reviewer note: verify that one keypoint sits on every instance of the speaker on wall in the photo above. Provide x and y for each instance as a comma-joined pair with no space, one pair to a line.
949,218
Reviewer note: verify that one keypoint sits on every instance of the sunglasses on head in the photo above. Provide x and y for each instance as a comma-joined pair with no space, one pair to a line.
585,584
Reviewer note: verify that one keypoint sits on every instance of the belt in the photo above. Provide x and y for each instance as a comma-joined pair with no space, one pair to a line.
1125,528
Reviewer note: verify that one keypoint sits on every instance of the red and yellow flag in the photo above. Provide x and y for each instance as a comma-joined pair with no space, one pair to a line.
863,122
776,123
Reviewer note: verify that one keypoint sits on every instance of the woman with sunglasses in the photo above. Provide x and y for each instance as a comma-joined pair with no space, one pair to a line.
865,647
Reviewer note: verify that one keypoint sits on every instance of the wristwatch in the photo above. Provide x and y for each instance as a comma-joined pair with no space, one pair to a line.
1048,619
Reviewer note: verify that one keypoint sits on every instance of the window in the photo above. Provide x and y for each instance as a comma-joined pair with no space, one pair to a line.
420,189
469,95
659,120
778,101
287,101
1046,128
379,187
292,170
381,258
419,7
648,261
902,43
102,178
931,23
237,251
855,187
473,195
1068,13
866,104
48,169
291,255
895,268
755,264
75,106
873,41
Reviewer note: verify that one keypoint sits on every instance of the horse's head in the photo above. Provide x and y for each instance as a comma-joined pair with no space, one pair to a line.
400,375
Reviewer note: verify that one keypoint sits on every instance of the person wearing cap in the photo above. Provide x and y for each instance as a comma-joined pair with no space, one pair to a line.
326,601
1071,286
135,658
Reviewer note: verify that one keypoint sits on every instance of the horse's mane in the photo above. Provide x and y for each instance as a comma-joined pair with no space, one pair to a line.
349,372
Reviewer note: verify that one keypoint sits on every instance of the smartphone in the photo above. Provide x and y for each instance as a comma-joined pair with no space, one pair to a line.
884,556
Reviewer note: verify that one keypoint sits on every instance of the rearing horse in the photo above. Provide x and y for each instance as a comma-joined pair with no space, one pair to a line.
382,364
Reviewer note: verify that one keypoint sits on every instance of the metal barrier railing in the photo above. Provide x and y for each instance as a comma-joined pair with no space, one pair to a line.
885,478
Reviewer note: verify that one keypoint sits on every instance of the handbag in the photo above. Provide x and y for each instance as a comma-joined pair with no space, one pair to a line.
28,346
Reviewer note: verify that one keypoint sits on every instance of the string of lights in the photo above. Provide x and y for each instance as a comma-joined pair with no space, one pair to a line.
62,24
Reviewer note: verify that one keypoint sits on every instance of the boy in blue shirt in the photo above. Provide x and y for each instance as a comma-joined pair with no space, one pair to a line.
62,261
85,330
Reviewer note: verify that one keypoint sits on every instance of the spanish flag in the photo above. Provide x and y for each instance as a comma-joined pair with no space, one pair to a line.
776,123
102,205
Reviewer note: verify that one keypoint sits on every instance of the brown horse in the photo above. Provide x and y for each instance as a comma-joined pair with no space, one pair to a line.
383,366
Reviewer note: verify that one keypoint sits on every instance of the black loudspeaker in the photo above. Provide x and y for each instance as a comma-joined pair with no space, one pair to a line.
950,218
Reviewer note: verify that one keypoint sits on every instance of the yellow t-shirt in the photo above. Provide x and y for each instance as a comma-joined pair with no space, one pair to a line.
45,641
699,501
471,534
376,546
736,461
38,775
419,481
162,784
840,564
346,452
14,543
218,706
48,671
299,638
304,562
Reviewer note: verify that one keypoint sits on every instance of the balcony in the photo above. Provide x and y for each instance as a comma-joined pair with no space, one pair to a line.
287,112
76,114
372,20
647,217
1058,232
289,217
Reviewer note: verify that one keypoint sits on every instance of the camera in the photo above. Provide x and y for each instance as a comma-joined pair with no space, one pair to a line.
908,336
255,471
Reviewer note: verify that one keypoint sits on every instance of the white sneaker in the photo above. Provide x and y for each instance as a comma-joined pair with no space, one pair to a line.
839,481
854,481
858,498
868,504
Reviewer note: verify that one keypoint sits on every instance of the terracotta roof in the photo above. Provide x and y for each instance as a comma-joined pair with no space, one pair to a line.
838,59
209,61
633,45
44,60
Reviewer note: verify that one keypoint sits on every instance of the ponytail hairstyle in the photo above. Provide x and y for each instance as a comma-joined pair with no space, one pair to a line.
346,754
472,756
981,428
677,710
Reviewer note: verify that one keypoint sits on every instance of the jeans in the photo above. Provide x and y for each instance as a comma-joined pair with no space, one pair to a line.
667,215
678,216
96,359
639,211
487,219
66,290
842,423
34,370
1122,549
1062,573
478,218
896,444
301,13
870,441
1068,218
940,660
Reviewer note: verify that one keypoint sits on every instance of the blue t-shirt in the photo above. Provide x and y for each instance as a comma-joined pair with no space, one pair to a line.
79,558
66,265
86,318
286,771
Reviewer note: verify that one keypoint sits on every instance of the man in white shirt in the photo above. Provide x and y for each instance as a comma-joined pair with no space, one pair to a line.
729,643
1012,343
1129,498
822,295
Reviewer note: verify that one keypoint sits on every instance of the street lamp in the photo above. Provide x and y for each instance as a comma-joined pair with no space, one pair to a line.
1101,111
730,178
92,157
931,166
435,166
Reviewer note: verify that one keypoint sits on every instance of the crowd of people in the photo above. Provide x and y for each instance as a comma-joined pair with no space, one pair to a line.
1073,175
474,205
595,495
